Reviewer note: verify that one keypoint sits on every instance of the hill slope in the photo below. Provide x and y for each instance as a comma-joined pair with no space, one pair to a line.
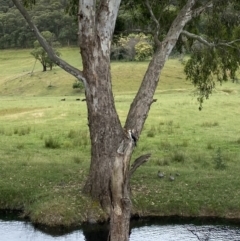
22,75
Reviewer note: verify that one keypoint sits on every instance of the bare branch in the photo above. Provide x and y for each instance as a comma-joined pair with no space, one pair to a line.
210,45
60,62
229,44
138,162
197,37
156,22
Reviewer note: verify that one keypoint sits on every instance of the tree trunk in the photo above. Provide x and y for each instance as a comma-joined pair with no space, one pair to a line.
111,147
111,151
105,128
44,67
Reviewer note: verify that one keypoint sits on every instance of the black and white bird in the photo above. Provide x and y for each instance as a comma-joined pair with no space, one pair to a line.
132,136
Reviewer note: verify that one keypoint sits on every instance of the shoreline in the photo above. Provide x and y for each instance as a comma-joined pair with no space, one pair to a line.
136,220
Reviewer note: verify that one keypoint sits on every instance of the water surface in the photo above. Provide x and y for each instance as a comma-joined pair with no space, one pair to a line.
16,230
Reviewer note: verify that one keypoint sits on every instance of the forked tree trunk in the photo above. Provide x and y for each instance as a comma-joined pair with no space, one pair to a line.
111,147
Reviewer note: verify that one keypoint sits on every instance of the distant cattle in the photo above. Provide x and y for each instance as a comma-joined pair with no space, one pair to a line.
63,99
83,99
77,99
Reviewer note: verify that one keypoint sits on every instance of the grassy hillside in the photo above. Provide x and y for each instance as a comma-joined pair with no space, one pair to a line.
45,148
21,76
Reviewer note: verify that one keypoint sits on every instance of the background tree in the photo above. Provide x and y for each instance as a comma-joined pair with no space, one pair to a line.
47,15
111,144
41,55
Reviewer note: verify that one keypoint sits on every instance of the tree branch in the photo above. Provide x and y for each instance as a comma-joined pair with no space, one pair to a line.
208,44
58,61
196,12
198,38
157,42
138,162
106,18
141,104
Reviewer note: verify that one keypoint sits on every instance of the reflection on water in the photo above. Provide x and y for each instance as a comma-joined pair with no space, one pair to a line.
185,232
15,230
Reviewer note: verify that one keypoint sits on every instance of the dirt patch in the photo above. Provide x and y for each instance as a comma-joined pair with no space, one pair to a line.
38,114
229,91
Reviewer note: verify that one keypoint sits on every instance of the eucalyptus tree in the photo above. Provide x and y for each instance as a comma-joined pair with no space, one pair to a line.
171,23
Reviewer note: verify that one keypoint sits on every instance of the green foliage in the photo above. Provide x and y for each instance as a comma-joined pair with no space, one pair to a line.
48,15
13,30
132,47
29,3
143,51
208,65
200,69
219,59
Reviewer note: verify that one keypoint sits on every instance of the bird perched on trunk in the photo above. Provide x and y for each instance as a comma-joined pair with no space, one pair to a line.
130,134
161,174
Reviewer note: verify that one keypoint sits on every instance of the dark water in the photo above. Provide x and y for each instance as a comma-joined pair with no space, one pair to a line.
12,229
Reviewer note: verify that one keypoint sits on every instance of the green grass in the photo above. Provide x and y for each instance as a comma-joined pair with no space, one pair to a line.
45,148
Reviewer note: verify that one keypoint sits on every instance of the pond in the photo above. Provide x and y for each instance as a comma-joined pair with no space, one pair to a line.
13,229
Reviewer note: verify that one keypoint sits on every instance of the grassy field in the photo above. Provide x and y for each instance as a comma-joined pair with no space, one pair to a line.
45,148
